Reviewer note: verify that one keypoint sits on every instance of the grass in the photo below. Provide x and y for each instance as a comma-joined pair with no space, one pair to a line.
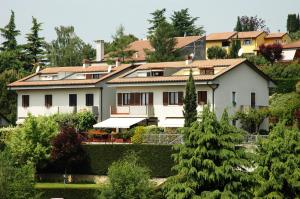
66,186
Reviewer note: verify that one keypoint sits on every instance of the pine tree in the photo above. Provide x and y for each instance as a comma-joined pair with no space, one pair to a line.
184,24
238,26
158,17
190,102
163,41
278,172
9,33
35,45
210,164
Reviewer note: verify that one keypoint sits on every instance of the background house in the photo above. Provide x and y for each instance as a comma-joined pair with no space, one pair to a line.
277,38
222,39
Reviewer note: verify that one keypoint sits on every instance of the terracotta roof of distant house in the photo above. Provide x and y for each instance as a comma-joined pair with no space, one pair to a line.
227,63
220,36
79,69
275,35
140,45
249,34
295,44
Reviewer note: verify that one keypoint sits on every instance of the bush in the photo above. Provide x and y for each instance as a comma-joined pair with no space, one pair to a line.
137,138
258,60
284,85
69,193
127,180
154,129
298,87
4,134
216,52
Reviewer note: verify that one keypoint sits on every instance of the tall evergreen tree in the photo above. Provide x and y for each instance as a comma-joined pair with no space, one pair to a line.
35,51
9,33
184,24
292,24
278,172
163,42
190,102
234,49
158,17
238,26
210,163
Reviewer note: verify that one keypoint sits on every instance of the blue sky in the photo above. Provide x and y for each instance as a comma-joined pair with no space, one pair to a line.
98,19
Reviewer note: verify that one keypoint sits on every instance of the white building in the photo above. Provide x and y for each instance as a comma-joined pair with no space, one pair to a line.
67,90
153,92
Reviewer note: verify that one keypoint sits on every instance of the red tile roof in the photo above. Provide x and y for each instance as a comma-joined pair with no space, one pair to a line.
220,36
275,35
249,34
295,44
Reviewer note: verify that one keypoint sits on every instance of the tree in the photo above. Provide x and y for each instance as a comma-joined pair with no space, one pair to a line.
210,163
293,23
184,24
158,17
9,33
272,52
252,23
295,36
163,42
190,102
16,182
216,52
67,49
67,151
120,44
278,172
30,143
127,180
238,26
234,49
35,51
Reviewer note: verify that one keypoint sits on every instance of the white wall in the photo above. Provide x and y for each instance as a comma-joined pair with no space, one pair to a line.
60,101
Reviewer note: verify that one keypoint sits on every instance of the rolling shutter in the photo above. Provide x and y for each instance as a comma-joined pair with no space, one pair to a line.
137,99
119,99
131,99
202,97
180,98
165,98
150,99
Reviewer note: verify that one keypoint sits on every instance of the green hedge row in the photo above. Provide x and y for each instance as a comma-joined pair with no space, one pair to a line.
69,193
156,157
284,85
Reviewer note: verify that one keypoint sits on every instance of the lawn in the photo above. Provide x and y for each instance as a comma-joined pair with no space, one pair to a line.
66,186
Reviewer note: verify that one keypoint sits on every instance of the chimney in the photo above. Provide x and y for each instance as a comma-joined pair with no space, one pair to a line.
189,60
86,63
99,50
118,62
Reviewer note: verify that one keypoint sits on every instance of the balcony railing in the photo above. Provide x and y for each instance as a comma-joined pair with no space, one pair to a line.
132,110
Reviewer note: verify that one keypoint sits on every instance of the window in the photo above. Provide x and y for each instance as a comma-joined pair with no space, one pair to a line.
206,71
88,76
247,42
157,73
172,98
48,101
126,98
144,98
225,43
96,76
253,103
89,99
233,99
202,97
135,99
25,101
72,100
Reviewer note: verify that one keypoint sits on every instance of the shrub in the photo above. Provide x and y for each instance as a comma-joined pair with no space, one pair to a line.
137,138
284,85
4,134
65,120
298,87
258,60
153,129
271,52
127,180
68,193
85,121
216,52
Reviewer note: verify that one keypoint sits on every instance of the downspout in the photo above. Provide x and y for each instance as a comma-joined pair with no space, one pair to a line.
101,105
213,87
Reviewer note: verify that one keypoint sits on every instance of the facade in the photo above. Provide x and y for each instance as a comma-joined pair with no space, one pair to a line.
222,39
154,92
250,41
277,38
67,90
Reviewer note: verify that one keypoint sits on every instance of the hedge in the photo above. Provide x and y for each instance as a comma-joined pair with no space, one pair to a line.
69,193
284,85
156,157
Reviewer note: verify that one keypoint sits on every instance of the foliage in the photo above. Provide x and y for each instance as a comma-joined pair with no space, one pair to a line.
4,134
184,24
293,23
153,129
190,102
66,193
85,121
271,52
30,143
158,18
279,70
283,106
10,60
298,87
210,164
127,180
120,44
295,36
216,52
67,49
234,49
9,33
16,182
163,42
257,60
137,137
67,151
278,172
250,23
252,119
35,51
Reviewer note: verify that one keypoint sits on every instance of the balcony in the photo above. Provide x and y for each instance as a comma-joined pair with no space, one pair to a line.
246,108
131,111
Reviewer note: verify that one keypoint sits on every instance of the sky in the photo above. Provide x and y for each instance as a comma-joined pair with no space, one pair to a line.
99,19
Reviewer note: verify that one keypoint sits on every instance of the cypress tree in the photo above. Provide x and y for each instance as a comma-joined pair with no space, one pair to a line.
234,49
9,33
238,26
190,102
210,163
